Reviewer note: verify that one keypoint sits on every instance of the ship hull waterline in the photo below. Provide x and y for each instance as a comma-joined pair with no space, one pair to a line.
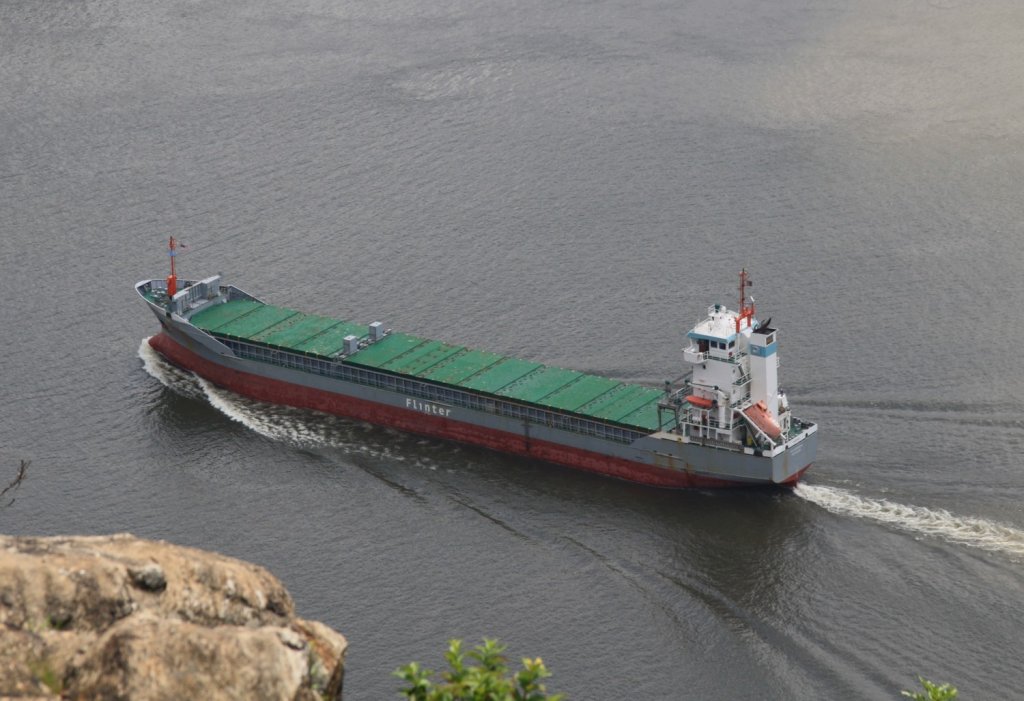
276,391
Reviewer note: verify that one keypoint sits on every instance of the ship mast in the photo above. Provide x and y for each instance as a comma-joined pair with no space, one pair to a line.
172,279
745,312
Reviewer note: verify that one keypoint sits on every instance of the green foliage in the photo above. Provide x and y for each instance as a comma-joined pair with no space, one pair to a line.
932,692
486,680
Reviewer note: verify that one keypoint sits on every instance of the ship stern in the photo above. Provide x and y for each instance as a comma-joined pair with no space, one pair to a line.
790,464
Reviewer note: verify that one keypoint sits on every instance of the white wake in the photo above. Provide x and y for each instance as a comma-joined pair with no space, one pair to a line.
170,376
965,530
269,420
298,427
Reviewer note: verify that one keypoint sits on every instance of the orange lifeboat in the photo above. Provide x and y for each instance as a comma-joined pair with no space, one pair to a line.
702,402
762,418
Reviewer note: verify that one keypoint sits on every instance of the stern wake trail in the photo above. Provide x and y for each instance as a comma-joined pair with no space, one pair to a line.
965,530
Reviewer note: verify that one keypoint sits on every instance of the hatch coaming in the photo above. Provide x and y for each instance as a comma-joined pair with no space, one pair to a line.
505,378
527,382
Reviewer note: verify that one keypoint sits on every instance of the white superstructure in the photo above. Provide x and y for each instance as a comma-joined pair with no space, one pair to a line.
732,394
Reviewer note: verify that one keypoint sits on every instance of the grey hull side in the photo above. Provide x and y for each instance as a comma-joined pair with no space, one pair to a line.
785,465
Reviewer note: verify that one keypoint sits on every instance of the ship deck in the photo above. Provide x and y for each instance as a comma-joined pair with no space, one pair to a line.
591,396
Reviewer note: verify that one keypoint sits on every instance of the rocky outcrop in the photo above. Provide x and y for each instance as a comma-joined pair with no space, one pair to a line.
117,617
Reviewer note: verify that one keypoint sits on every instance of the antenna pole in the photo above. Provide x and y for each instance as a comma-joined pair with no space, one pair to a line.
172,279
743,290
745,312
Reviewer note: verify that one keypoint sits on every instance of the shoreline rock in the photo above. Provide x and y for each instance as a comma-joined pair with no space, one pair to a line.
118,617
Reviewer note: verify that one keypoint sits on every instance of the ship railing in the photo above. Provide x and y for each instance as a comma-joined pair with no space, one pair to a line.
702,432
741,402
797,426
674,398
154,291
692,355
712,423
735,358
714,442
432,392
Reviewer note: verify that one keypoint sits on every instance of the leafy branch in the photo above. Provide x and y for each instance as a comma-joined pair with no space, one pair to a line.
932,692
486,680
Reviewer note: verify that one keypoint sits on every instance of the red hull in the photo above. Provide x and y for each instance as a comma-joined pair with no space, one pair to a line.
278,392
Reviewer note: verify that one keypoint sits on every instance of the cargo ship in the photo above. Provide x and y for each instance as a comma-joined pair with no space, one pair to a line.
724,423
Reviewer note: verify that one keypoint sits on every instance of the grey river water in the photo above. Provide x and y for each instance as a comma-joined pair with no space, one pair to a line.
571,182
